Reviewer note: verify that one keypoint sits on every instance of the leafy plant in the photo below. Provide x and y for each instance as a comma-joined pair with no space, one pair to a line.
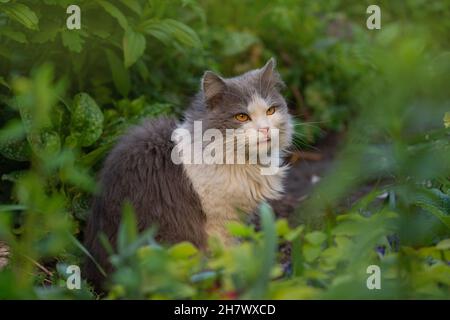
66,95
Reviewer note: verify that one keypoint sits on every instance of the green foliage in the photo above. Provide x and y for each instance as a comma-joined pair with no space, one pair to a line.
65,96
86,120
22,14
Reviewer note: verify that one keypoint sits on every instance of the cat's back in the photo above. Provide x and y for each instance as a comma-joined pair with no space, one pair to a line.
139,170
152,136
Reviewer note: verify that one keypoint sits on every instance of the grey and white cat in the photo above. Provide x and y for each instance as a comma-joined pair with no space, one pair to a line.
189,202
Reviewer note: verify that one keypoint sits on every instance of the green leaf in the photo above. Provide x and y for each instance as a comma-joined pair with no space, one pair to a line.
35,98
447,120
120,74
239,229
13,130
437,203
316,237
86,252
443,245
347,228
238,42
48,30
133,5
128,229
95,155
15,149
72,40
168,30
143,70
183,250
116,13
45,143
86,120
14,35
311,252
184,34
22,14
282,227
102,27
133,47
294,234
266,253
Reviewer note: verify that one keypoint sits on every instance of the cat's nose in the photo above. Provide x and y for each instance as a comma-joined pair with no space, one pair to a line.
264,131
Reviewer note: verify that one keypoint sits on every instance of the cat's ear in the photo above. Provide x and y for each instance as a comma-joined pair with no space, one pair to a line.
213,87
270,75
268,70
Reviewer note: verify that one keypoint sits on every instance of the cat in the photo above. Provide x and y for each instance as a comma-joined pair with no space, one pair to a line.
186,201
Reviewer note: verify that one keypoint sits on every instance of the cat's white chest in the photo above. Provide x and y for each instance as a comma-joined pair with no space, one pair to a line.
227,190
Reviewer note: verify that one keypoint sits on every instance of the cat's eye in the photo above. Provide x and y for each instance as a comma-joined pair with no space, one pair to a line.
270,111
242,117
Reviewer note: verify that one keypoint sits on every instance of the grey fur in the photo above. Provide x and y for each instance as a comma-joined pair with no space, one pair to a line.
235,95
139,169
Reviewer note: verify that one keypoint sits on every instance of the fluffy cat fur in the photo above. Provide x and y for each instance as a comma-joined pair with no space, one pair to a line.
189,202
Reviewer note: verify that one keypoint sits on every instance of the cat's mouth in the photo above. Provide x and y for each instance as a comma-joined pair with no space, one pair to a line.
264,139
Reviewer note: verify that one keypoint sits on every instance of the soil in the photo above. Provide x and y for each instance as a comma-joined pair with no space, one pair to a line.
307,168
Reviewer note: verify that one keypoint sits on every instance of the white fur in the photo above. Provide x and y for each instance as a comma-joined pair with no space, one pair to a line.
225,190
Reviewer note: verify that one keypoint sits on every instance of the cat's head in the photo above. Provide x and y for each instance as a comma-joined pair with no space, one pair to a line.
251,101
